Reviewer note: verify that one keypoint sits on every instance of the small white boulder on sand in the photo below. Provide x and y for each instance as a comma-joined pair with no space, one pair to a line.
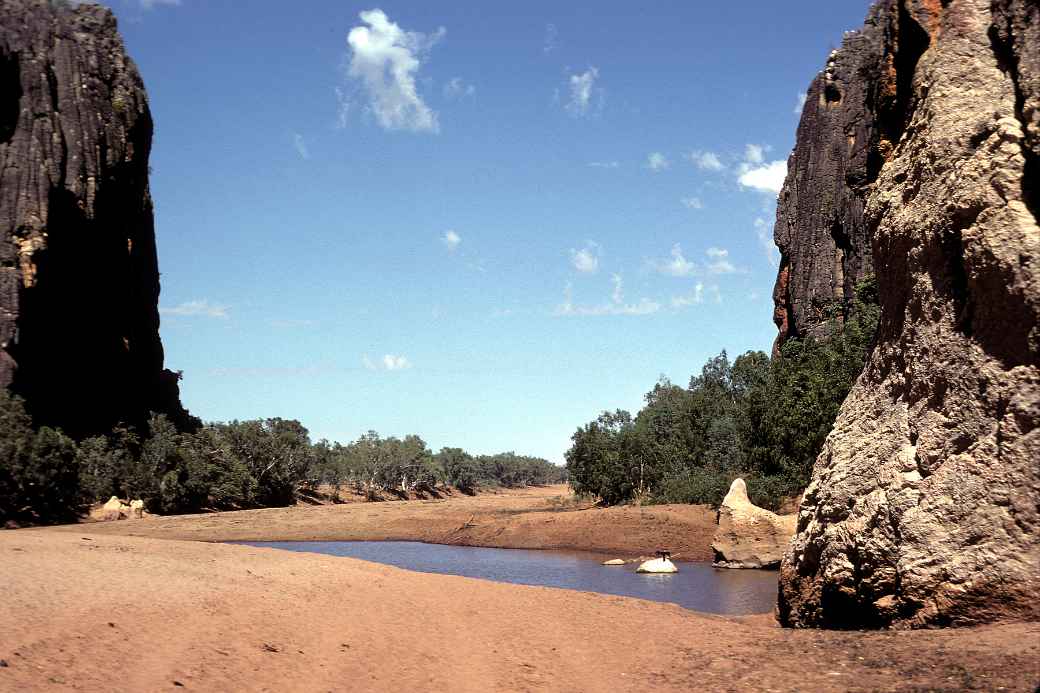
614,561
661,564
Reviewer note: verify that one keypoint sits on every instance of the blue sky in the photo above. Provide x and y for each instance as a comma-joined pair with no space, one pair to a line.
480,222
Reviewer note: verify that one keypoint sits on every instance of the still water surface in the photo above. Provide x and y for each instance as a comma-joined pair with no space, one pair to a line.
696,586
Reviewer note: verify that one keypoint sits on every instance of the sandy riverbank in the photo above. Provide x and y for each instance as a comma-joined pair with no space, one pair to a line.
87,611
535,518
90,607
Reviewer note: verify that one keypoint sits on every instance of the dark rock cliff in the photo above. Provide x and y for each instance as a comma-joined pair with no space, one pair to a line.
924,506
79,278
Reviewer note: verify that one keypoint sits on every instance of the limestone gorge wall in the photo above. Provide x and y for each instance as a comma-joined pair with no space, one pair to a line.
923,506
79,279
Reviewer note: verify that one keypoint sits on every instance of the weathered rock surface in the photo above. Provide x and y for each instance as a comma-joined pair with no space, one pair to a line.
79,279
820,227
923,506
749,536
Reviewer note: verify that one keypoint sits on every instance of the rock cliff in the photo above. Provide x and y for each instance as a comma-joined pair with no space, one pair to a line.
923,505
79,279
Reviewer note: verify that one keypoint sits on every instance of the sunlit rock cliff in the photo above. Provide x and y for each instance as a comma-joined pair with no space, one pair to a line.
79,279
923,506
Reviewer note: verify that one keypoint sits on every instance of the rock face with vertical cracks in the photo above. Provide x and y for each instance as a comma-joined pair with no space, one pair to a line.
923,505
820,226
79,279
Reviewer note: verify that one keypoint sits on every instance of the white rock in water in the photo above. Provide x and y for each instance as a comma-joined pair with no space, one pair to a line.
657,565
614,561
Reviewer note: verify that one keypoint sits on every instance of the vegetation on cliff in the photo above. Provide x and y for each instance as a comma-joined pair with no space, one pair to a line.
760,418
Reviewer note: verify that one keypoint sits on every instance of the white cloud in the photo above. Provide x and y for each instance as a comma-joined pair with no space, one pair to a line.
766,178
549,43
586,260
706,161
677,265
754,153
616,306
604,164
692,203
765,240
197,308
618,294
801,103
301,146
656,161
451,239
389,362
458,89
386,59
718,261
693,298
581,86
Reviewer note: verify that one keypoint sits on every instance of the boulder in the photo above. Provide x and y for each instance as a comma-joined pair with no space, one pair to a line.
113,509
749,536
657,565
614,561
136,509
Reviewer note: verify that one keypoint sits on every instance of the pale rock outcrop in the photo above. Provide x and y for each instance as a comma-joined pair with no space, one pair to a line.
749,536
924,505
136,509
661,564
112,509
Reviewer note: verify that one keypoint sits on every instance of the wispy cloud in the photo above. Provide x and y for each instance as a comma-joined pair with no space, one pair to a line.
693,298
754,153
202,308
456,88
718,261
764,233
616,305
586,259
386,59
678,265
618,294
451,240
692,202
389,362
706,161
675,266
800,103
301,146
581,87
697,296
656,161
549,42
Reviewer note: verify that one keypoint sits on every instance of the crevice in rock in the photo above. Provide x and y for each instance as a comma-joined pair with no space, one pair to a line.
911,43
11,91
1007,61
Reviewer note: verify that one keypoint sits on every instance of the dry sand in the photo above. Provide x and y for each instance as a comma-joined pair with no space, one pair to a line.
535,518
92,608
